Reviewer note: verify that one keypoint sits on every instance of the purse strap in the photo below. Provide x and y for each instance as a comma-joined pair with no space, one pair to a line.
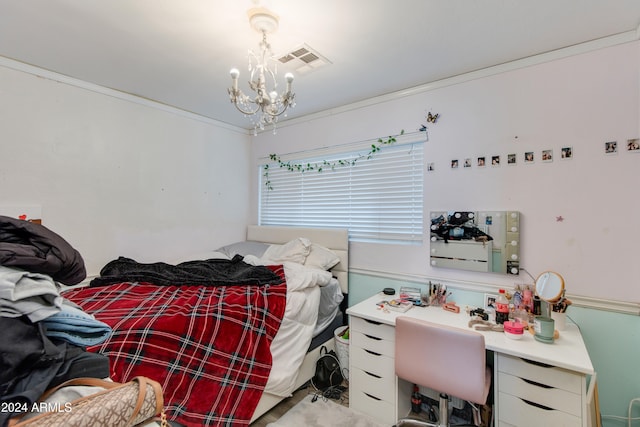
142,392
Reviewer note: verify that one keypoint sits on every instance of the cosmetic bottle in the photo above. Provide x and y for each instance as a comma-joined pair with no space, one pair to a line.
502,307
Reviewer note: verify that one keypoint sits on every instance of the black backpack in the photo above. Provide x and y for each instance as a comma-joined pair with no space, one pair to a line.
328,373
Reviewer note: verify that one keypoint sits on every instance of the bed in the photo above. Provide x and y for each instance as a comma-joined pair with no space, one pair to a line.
226,354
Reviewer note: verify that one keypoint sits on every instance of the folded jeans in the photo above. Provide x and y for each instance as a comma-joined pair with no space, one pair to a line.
77,327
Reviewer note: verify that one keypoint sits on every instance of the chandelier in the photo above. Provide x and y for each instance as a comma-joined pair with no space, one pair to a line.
266,105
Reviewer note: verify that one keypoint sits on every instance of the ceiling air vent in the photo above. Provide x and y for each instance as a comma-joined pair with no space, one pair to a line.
303,59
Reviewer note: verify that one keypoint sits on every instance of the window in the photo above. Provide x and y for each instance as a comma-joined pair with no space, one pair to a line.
379,199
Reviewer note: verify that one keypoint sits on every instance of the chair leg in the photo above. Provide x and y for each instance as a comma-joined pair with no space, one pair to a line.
443,419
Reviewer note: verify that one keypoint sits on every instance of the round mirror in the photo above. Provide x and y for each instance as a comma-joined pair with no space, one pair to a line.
550,286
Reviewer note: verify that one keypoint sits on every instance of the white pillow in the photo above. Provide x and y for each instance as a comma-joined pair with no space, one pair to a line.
244,248
295,250
321,257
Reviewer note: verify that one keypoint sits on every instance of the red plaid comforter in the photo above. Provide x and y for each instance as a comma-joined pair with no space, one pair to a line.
209,347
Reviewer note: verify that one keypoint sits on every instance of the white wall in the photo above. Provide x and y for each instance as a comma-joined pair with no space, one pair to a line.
114,177
580,101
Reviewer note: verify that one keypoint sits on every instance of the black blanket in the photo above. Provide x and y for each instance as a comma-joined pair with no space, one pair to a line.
33,247
211,272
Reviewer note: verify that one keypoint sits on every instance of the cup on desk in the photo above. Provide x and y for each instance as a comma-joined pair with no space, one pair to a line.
560,319
544,329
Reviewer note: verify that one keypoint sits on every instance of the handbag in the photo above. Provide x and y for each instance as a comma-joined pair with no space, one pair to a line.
119,405
328,373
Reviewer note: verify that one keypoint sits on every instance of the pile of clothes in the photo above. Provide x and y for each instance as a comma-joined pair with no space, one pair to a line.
44,336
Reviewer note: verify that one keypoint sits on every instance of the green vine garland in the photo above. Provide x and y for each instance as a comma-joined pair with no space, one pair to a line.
322,165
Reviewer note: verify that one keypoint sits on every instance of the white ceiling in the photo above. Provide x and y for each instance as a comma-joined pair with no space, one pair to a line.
179,52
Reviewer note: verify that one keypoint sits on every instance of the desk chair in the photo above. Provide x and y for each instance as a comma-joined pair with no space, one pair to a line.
446,359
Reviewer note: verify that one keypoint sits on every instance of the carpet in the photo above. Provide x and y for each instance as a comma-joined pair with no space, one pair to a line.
323,413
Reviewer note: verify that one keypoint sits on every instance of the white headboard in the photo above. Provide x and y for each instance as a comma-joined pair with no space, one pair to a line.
335,239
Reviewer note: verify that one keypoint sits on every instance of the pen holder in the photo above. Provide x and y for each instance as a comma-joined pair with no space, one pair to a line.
436,301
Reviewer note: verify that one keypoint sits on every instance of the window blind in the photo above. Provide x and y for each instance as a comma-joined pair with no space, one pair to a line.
379,199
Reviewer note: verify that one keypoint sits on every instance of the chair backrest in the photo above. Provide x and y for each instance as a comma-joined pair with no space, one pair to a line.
446,359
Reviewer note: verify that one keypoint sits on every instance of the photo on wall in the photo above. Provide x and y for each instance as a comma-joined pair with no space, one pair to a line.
547,156
611,147
633,145
481,162
511,159
566,153
529,157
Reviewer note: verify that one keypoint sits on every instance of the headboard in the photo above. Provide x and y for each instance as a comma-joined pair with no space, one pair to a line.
335,239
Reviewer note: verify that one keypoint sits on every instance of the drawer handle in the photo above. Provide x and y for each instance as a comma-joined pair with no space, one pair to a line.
373,352
372,337
373,397
373,322
537,405
533,362
536,384
372,375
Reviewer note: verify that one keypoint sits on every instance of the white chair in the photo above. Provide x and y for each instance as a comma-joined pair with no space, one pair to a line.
449,360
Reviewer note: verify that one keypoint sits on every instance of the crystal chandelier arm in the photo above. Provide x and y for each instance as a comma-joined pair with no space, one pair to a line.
282,105
242,101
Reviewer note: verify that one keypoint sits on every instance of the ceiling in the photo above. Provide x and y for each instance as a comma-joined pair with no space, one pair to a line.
179,52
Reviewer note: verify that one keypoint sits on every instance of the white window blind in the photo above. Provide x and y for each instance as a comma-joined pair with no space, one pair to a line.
379,199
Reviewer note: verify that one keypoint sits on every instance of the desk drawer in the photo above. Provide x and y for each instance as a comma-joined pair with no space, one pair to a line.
373,329
382,411
375,363
382,388
517,412
372,343
550,397
543,374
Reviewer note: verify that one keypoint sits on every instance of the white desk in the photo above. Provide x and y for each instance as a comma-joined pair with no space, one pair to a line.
550,391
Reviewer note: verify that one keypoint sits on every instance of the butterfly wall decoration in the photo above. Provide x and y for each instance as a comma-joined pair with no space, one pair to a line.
431,118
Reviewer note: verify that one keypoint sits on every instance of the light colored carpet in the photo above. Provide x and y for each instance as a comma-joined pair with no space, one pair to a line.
323,413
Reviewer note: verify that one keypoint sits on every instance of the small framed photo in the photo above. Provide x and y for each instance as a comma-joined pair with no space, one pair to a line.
495,160
611,147
467,162
529,157
566,153
454,164
633,145
431,167
511,159
481,162
490,301
547,156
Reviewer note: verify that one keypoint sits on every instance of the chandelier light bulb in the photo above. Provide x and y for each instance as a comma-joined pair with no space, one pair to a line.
289,78
235,73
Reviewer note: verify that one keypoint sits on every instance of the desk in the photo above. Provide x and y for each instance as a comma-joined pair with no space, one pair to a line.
534,383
